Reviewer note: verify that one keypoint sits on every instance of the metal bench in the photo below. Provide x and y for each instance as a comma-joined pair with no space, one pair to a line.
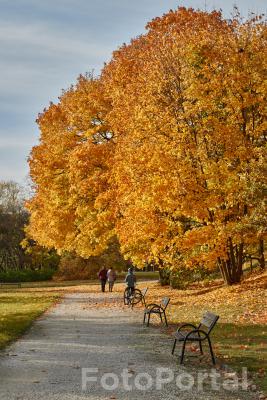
18,284
158,309
198,334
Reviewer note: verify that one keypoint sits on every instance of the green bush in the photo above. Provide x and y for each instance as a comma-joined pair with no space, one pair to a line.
183,277
164,276
26,275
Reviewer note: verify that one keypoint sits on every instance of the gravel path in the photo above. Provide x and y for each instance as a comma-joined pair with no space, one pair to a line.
47,363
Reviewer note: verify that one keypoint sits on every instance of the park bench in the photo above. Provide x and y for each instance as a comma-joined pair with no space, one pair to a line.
198,334
18,284
138,296
157,309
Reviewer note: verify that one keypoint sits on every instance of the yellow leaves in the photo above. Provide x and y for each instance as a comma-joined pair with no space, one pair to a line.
165,149
201,87
70,167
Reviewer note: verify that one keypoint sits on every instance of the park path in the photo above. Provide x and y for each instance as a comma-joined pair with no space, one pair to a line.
47,362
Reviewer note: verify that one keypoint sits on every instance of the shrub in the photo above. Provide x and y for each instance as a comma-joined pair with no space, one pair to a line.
26,275
183,277
164,276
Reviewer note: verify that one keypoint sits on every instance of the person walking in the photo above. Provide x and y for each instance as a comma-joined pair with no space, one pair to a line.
102,276
111,275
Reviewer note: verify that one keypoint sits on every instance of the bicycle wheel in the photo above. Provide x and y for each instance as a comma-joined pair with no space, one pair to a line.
126,296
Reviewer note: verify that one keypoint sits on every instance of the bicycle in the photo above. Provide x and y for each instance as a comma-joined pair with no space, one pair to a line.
133,296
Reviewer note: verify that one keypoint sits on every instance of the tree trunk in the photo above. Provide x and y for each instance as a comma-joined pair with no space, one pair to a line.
261,254
164,274
231,268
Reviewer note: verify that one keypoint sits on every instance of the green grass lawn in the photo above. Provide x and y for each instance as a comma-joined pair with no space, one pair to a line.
243,346
141,276
18,309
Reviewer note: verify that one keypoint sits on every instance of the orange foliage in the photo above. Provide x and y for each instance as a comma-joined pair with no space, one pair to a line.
181,177
70,168
189,166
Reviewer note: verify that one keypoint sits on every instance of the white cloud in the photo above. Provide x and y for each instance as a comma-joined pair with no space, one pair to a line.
12,141
46,39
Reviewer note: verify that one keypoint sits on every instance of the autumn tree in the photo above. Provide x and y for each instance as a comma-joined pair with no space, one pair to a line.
189,109
166,149
70,169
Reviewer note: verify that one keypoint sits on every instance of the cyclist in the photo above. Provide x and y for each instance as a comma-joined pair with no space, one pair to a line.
130,281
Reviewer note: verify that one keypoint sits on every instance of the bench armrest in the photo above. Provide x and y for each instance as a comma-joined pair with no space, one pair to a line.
199,332
152,305
155,307
185,325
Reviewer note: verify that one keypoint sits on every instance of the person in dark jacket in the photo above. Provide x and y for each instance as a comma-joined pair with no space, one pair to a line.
102,275
130,279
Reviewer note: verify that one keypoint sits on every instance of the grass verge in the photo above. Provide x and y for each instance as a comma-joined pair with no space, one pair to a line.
18,309
141,276
243,345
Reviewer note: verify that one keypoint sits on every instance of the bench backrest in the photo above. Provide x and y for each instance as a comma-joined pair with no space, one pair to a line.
164,302
208,321
144,291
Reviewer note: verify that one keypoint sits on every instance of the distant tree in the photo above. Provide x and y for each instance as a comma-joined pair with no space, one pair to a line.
17,252
13,218
72,266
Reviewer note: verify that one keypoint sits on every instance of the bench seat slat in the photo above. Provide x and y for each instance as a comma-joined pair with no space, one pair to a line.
153,311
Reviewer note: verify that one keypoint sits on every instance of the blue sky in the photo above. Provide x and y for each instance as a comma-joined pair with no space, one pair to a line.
45,45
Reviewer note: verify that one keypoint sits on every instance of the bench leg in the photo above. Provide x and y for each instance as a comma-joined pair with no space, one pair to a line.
200,347
144,320
182,355
160,317
211,352
148,319
174,345
165,319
